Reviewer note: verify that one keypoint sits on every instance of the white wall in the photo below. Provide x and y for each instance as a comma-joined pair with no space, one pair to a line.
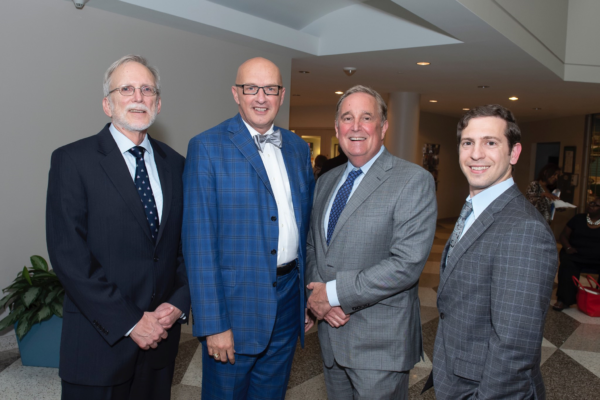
53,61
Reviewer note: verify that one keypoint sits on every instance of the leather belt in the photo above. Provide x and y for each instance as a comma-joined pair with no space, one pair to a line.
286,268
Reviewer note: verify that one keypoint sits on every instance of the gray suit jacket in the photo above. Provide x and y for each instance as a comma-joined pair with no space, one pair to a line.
493,297
378,250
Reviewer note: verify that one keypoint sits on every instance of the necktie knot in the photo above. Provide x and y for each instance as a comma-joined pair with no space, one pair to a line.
273,138
137,151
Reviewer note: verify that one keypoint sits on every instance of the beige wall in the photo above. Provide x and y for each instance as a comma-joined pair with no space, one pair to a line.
53,61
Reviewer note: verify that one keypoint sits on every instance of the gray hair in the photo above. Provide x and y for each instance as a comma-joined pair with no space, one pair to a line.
124,60
367,90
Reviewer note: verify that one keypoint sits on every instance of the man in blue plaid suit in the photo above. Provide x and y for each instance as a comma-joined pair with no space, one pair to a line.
496,274
248,189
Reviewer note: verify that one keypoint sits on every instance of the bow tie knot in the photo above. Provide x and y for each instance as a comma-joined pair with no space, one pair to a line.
273,138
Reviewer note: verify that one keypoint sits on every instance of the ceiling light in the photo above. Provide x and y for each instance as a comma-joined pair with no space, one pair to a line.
304,72
466,109
349,71
423,63
433,101
514,98
339,92
537,108
483,87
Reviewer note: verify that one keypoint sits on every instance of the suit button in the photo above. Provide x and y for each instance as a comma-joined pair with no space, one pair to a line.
274,284
273,218
441,315
155,259
273,251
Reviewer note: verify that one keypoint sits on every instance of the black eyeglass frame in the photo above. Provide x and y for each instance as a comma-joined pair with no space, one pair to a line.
258,89
156,92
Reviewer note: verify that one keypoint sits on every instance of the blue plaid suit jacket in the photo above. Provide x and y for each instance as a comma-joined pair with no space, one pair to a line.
229,232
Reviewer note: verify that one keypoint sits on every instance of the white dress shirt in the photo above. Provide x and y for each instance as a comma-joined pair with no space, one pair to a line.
330,287
124,145
287,247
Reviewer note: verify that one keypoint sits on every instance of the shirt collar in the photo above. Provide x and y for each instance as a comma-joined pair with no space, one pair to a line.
365,168
254,132
482,200
124,143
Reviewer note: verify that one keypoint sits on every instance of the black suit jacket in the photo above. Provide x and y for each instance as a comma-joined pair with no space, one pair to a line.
101,249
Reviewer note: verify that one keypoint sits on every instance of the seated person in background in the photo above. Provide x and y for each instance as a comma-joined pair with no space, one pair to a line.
319,162
581,249
538,193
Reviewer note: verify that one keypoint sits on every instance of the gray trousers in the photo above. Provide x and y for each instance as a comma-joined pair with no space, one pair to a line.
365,384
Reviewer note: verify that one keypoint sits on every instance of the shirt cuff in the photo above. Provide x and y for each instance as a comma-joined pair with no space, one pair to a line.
128,333
332,294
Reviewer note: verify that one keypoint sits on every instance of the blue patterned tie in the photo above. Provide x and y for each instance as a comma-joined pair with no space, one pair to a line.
142,182
340,202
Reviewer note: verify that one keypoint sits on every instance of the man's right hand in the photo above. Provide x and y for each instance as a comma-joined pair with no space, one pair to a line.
221,344
148,331
336,317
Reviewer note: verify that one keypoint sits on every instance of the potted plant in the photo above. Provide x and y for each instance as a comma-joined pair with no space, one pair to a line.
35,300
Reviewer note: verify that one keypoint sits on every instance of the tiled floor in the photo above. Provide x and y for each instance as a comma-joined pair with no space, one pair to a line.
570,355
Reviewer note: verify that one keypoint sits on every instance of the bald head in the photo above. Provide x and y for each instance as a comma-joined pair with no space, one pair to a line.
260,109
256,65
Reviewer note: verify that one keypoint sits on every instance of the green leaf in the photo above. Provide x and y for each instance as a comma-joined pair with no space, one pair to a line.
6,300
39,263
44,314
51,295
23,327
57,309
31,295
26,275
7,321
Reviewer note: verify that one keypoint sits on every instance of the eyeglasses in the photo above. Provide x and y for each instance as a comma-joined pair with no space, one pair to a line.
128,90
272,90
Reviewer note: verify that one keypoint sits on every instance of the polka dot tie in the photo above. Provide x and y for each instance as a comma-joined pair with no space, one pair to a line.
340,202
142,183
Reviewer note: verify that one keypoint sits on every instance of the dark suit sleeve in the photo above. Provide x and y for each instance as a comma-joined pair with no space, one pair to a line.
521,286
80,273
200,243
413,219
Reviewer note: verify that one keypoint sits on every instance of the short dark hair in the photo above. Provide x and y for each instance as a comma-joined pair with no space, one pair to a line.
363,89
512,132
547,172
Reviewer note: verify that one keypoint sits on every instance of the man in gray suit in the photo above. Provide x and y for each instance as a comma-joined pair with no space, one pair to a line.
372,228
496,274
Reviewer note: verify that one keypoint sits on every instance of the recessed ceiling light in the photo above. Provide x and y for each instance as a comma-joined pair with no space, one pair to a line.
304,72
423,63
433,101
514,98
339,92
537,108
483,87
466,109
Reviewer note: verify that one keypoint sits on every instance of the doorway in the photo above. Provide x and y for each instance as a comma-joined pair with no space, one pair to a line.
546,153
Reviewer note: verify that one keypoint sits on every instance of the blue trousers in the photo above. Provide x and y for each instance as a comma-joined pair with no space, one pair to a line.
262,376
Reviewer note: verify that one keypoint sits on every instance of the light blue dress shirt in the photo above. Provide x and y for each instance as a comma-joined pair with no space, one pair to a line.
124,145
330,287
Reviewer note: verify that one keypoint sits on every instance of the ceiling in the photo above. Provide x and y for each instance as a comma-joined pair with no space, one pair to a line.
549,60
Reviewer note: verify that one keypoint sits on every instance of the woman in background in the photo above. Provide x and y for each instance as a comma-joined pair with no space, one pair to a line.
538,193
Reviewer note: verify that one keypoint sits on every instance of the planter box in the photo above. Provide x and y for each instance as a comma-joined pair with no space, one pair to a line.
41,346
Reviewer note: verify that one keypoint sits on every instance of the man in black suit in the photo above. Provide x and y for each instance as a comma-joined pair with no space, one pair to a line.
113,228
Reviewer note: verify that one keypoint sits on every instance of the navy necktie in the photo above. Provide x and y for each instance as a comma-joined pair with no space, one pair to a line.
340,202
142,183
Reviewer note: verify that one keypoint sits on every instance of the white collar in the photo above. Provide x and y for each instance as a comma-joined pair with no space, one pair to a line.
483,199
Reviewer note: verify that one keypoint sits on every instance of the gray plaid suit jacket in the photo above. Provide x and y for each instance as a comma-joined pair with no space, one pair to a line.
493,297
377,252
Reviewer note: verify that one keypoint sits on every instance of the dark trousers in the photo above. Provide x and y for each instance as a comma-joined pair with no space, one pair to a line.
262,376
567,291
147,383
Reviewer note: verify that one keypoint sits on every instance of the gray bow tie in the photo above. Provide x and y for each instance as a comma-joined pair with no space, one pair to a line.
273,138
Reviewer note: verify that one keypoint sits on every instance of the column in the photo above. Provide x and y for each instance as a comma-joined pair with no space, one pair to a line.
403,131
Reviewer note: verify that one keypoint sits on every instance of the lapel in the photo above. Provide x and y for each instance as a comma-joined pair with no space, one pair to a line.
378,173
114,166
166,183
481,224
335,178
242,139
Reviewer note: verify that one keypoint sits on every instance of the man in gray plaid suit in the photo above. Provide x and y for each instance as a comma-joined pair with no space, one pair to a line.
496,273
372,228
